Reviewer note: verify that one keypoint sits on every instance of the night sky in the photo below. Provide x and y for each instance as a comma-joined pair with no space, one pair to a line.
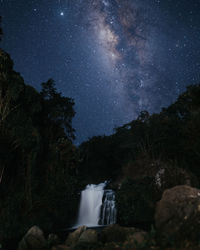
115,58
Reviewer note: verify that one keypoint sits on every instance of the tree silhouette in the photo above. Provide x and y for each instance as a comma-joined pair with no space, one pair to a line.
1,32
57,108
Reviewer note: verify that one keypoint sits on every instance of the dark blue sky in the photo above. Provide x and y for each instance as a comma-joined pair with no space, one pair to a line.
114,57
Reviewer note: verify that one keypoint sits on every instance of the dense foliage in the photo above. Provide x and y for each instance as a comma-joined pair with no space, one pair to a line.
37,158
1,32
136,207
170,136
167,143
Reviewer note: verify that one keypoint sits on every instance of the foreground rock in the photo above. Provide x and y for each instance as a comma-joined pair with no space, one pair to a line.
52,240
178,213
60,247
33,240
89,236
73,238
116,233
111,237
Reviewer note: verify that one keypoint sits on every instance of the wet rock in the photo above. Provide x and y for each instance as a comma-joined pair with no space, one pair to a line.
178,213
136,239
116,233
89,236
73,237
33,240
53,240
112,246
60,247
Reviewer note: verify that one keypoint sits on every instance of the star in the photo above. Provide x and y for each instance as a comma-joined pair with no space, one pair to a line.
132,51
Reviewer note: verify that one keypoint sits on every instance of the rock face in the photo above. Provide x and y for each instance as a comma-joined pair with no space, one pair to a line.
60,247
116,233
166,175
73,238
113,233
117,237
89,236
33,240
178,213
53,240
136,239
80,238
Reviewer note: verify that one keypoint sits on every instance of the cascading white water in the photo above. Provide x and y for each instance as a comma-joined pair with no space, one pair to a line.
108,211
97,206
90,205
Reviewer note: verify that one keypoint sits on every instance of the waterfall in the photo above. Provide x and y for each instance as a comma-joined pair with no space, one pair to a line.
108,211
97,206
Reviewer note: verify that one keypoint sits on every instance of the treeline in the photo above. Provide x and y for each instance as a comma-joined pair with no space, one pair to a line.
147,156
38,182
172,136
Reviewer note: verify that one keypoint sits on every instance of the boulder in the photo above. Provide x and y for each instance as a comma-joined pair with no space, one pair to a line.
90,236
177,214
60,247
135,240
112,246
116,233
33,240
138,237
73,237
53,240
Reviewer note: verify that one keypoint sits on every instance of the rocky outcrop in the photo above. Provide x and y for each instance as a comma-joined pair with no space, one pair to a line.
73,237
169,176
60,247
52,240
137,207
33,240
178,213
165,174
136,239
111,237
89,236
116,233
113,233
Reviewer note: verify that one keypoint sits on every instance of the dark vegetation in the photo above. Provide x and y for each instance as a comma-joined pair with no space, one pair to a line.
172,136
41,169
134,154
37,158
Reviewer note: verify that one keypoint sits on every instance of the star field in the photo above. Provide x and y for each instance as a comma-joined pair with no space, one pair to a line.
115,58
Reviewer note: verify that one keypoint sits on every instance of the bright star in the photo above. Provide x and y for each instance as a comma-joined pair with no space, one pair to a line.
62,13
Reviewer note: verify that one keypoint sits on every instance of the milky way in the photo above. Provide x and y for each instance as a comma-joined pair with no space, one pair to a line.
114,57
125,33
130,36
